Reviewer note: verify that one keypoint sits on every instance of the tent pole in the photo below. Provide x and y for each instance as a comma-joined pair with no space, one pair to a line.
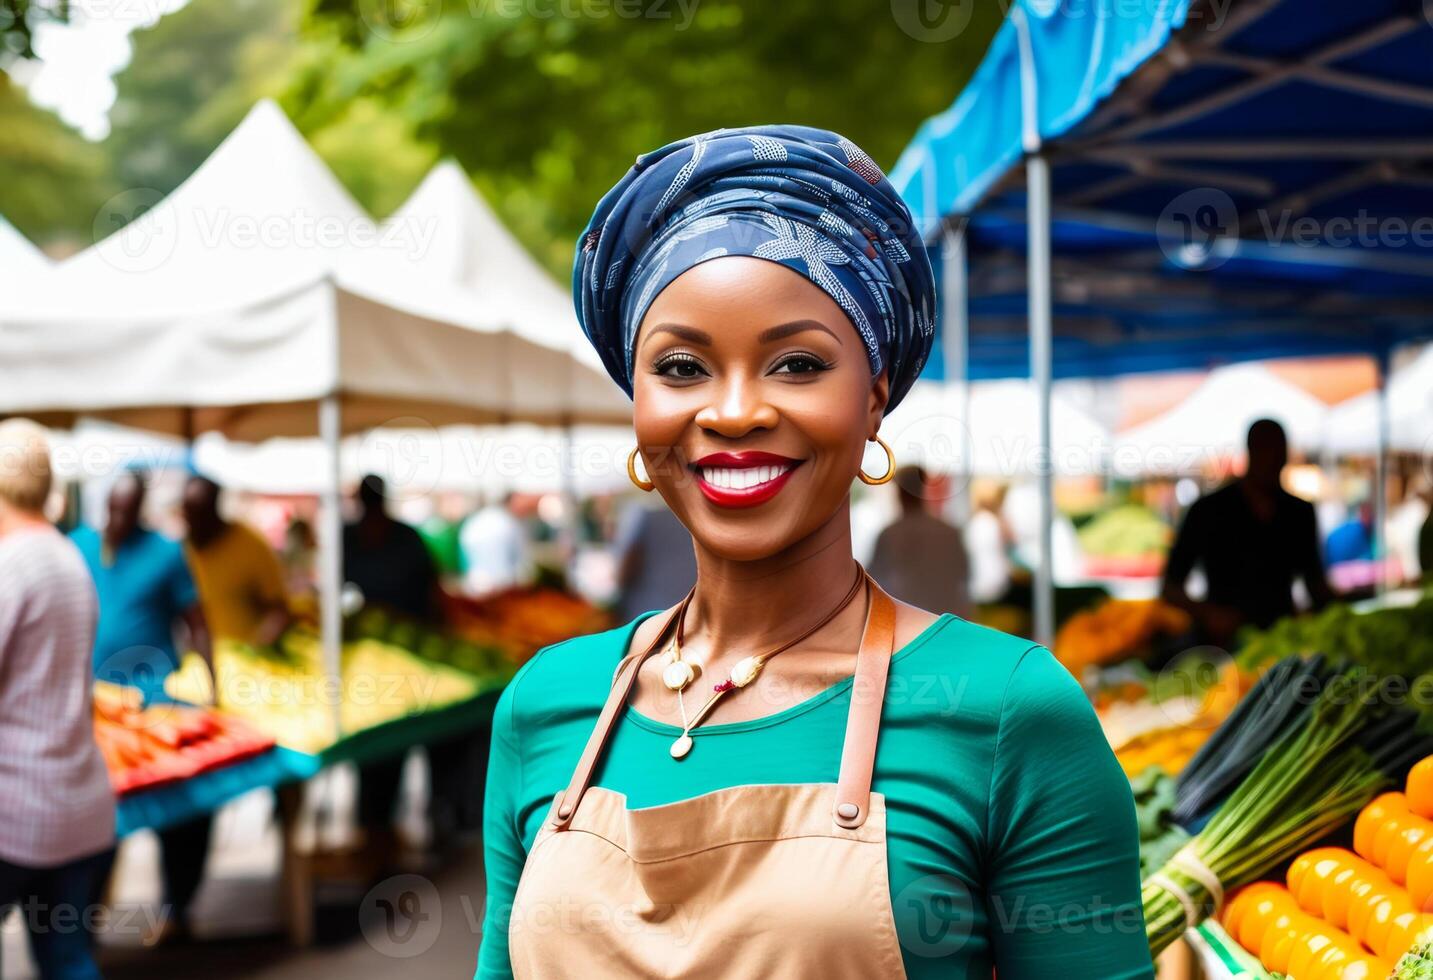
1037,169
955,287
1380,481
331,555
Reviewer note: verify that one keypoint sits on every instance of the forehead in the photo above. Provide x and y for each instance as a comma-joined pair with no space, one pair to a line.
741,295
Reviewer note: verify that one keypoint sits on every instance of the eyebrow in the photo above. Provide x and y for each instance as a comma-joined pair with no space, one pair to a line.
690,334
694,336
795,327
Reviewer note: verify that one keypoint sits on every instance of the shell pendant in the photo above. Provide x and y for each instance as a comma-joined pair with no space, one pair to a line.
678,674
681,746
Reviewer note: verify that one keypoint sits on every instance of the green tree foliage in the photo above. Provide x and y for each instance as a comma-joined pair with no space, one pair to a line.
18,20
190,79
547,102
53,180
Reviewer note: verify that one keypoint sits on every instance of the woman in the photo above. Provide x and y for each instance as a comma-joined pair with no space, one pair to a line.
761,296
56,805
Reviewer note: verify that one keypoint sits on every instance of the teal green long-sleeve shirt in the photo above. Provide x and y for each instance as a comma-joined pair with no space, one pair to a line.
1011,835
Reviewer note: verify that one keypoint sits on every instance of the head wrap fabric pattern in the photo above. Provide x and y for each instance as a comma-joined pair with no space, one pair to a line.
807,198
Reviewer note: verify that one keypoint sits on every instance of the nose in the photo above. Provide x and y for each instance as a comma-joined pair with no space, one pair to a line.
739,407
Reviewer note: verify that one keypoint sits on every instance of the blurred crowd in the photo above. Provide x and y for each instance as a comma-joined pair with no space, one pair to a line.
118,598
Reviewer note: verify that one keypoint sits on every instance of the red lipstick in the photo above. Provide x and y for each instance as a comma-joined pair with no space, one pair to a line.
743,479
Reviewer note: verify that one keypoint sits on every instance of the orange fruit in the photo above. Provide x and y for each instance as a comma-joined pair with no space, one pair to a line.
1420,877
1372,817
1334,904
1420,788
1380,922
1279,942
1256,922
1316,881
1330,961
1401,934
1306,948
1359,912
1383,836
1404,844
1298,869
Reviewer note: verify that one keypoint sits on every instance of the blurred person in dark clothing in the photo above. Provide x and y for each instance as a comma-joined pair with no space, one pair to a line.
919,557
1252,538
656,564
387,559
391,565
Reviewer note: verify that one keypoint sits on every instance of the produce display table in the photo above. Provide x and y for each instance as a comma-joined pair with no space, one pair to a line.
174,803
398,736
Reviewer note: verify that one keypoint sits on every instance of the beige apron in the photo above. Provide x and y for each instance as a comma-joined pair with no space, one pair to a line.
750,881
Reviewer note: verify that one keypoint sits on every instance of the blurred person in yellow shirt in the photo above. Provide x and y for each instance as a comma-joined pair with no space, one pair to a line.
241,583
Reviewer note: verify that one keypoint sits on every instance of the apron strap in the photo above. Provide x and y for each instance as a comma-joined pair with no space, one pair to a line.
863,721
622,685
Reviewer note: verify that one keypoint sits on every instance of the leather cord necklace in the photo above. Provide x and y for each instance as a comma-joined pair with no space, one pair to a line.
744,672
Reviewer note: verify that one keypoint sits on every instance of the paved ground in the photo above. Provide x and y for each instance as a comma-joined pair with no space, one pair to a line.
423,924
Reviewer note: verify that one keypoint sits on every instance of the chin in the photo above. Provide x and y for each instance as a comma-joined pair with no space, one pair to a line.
752,534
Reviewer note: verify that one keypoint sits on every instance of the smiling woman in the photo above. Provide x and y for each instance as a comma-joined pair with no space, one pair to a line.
861,788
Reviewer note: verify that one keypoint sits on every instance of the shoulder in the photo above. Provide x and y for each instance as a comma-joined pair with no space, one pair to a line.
46,566
1295,505
251,541
572,675
1215,500
978,668
960,643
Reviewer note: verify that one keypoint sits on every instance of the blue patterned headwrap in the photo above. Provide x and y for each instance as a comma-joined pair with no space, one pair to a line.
806,198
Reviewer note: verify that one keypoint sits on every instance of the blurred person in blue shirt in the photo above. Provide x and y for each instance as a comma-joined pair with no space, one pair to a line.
147,594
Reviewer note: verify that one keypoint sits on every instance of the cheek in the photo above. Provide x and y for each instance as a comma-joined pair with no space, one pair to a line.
660,417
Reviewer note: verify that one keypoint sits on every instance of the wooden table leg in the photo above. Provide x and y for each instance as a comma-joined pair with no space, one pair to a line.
297,871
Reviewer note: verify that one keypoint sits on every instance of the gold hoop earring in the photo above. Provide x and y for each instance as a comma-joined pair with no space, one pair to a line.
875,481
646,486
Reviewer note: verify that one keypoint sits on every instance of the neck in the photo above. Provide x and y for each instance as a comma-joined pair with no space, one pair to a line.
746,605
18,520
204,535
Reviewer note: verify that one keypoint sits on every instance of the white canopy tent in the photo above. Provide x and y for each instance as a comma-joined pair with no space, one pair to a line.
257,289
468,245
20,261
1352,426
486,460
992,431
259,300
1214,422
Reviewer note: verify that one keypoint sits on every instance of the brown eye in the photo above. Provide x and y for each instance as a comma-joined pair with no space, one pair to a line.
801,364
681,367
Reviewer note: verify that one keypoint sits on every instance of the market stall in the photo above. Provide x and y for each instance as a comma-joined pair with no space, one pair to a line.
1262,783
1146,184
258,300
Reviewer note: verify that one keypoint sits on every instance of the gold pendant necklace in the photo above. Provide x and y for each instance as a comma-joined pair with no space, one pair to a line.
744,672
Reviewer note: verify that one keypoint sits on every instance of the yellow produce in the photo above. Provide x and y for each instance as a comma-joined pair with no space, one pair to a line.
289,697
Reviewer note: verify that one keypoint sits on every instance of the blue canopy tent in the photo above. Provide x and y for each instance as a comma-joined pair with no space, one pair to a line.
1205,181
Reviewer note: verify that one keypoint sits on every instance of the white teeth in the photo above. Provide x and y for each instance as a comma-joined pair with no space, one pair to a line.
728,478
